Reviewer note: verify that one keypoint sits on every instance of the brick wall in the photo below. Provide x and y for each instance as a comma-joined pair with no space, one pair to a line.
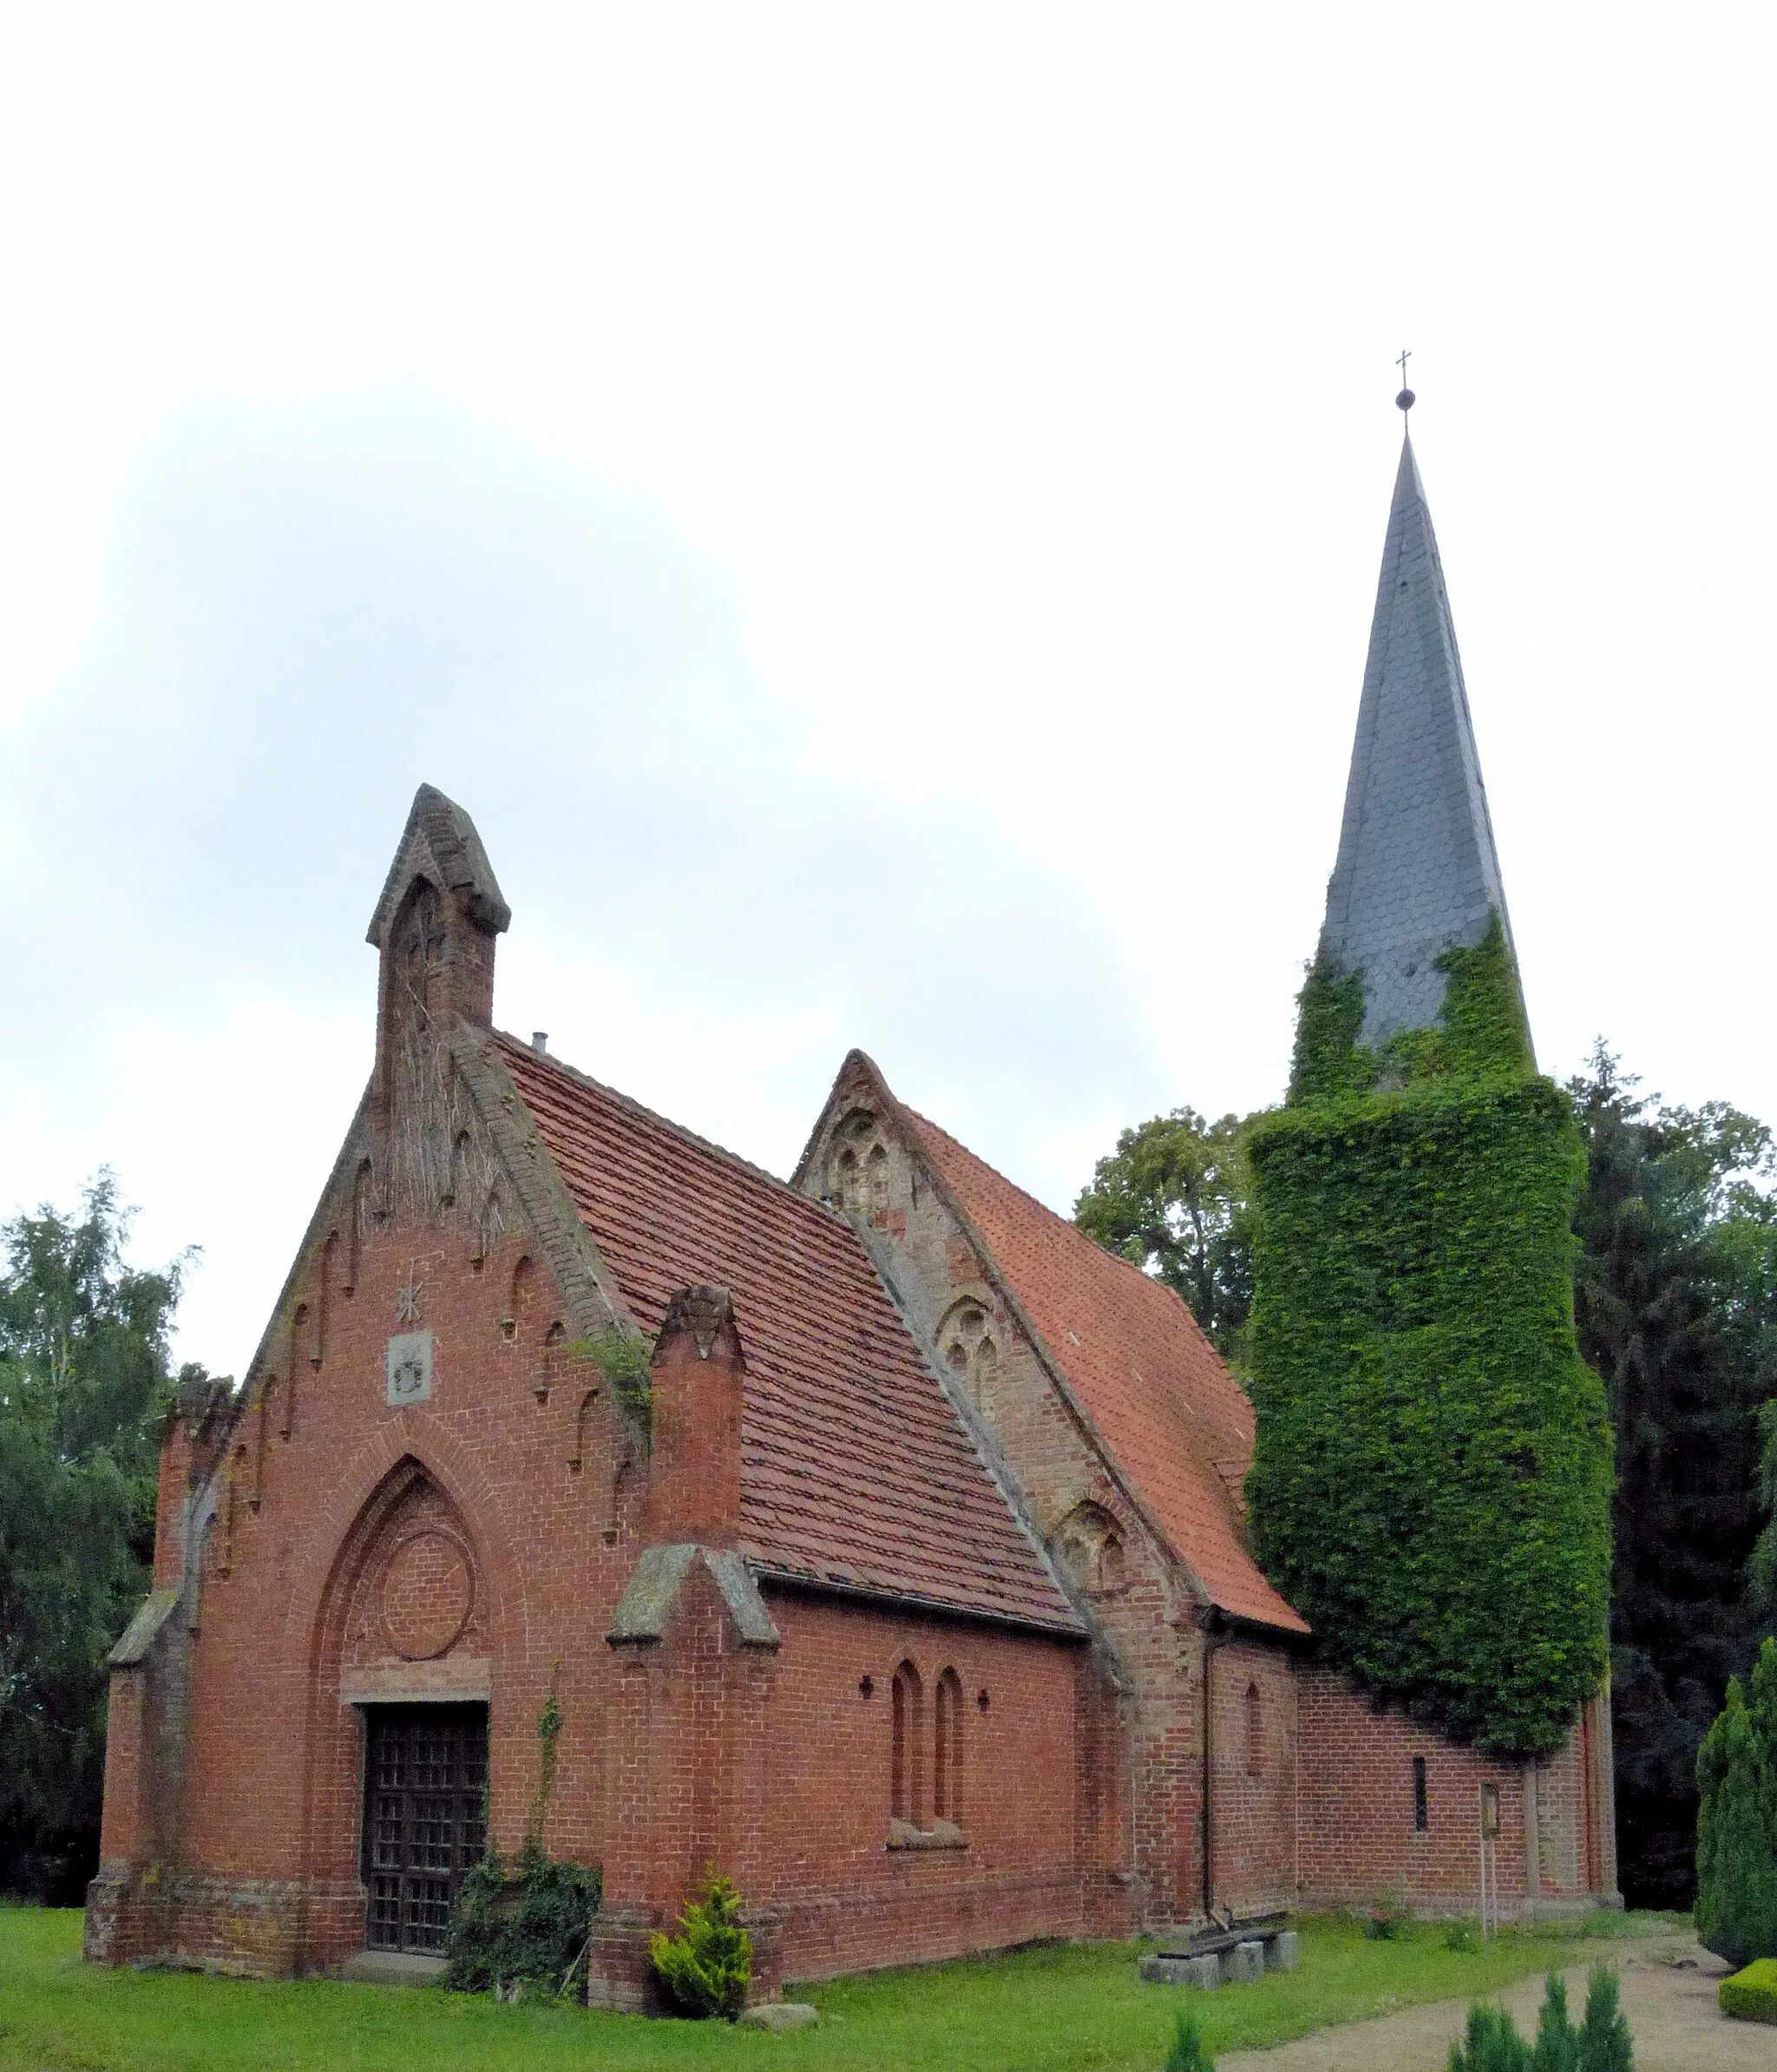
1358,1836
346,1531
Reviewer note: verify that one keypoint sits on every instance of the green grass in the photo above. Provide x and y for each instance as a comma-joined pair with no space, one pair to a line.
1046,2009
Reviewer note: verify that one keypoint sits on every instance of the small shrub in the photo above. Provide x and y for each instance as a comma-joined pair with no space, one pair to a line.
1188,2052
1600,2043
622,1356
1752,1994
1390,1916
1737,1910
1459,1935
1558,2040
1492,2043
1604,2041
524,1926
708,1968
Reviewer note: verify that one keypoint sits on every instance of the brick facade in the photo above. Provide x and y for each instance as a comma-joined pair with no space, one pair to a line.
865,1492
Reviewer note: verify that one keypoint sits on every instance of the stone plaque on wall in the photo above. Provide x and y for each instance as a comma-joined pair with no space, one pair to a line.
409,1367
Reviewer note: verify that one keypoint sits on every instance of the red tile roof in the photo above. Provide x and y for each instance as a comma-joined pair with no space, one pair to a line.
856,1471
1176,1422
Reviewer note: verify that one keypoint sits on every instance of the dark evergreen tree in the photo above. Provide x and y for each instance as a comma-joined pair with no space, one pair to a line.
84,1385
1674,1301
1736,1909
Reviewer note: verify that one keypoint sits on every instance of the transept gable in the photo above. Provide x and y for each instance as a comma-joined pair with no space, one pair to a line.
1169,1427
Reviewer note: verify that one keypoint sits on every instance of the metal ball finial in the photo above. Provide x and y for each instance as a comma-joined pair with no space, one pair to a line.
1406,400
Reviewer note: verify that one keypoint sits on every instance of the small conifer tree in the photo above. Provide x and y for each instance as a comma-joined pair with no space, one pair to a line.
1736,1909
1600,2043
708,1968
1189,2053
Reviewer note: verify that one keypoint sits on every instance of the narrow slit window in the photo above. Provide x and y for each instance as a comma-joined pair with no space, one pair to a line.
1421,1811
905,1757
946,1749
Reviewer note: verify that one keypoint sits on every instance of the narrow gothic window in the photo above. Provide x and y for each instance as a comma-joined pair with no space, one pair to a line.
420,951
457,1188
324,1293
1421,1811
905,1759
524,1276
848,1191
1254,1732
946,1749
360,1220
879,1182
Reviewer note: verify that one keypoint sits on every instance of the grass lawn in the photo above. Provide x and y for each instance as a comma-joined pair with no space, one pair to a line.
1046,2009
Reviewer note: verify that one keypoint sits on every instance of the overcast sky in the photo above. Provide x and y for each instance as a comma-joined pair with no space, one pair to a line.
876,513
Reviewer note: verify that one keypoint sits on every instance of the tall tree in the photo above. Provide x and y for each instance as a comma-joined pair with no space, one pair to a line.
1173,1199
84,1385
1673,1298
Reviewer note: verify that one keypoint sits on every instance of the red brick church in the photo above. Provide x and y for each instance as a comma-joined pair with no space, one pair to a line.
911,1590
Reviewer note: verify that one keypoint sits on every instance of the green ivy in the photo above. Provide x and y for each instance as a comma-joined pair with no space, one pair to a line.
622,1356
1432,1479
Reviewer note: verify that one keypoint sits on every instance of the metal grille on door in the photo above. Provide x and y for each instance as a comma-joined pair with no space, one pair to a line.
425,1818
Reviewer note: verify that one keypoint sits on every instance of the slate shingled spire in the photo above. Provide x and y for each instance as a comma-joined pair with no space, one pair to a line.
1417,869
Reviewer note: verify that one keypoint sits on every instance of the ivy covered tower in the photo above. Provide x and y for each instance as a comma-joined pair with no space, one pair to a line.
1432,1478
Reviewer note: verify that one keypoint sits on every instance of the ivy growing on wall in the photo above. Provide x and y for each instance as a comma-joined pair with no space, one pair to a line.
1432,1479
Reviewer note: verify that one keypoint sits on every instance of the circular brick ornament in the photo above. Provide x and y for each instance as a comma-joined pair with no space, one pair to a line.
426,1595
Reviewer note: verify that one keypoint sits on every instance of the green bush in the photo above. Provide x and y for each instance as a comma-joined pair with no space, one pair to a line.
527,1925
708,1968
1752,1994
1431,1478
1600,2043
1188,2052
1491,2044
1390,1914
1736,1908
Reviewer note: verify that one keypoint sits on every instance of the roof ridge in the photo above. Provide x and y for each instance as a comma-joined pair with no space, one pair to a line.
666,1122
1065,1223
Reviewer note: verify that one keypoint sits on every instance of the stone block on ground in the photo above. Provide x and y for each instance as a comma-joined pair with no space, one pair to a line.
1283,1951
1244,1964
1203,1971
780,2016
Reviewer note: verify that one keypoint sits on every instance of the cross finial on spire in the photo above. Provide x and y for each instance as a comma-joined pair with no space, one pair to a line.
1406,400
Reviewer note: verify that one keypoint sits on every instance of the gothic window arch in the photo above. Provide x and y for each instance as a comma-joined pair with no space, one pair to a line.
946,1749
519,1300
1090,1541
967,1347
491,1226
456,1187
860,1170
907,1749
419,954
323,1295
360,1224
1254,1732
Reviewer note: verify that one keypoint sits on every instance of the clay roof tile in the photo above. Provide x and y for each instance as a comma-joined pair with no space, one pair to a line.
856,1471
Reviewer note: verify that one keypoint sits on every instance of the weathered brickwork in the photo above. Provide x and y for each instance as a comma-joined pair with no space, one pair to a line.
856,1603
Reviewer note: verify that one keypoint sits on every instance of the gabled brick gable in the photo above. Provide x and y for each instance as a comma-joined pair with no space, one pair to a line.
856,1472
1178,1422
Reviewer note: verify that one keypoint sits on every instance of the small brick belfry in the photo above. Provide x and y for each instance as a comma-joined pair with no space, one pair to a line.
912,1593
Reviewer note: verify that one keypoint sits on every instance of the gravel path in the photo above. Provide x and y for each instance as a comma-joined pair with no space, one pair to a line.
1669,1994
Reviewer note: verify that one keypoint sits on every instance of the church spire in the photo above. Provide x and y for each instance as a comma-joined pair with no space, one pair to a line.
1417,870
